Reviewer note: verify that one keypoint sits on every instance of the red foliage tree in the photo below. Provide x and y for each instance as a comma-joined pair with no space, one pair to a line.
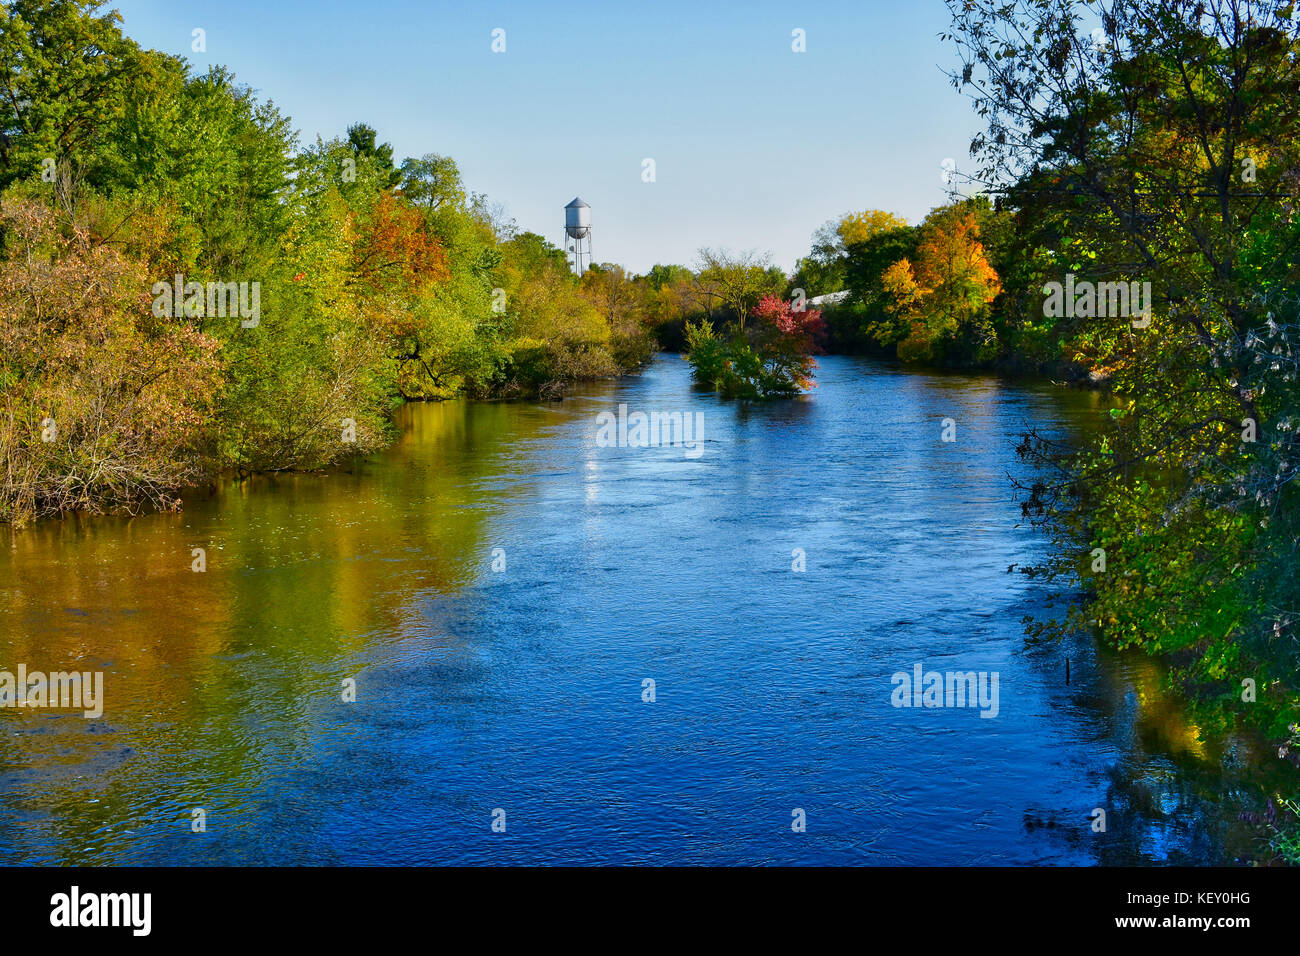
396,253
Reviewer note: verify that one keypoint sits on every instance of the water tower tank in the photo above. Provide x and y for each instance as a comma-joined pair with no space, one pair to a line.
577,219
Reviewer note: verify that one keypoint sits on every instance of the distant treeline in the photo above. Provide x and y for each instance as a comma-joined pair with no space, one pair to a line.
951,291
962,289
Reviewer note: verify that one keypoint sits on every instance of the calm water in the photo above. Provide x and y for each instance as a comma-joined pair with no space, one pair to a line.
522,689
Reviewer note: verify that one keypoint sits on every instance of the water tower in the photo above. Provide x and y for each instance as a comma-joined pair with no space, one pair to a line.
577,234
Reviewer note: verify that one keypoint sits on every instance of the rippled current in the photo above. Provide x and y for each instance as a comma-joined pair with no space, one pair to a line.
521,690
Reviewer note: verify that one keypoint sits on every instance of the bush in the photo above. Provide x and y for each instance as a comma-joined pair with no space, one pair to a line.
770,359
102,404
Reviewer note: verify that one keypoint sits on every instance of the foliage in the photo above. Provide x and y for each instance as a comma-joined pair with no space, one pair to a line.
622,302
377,281
1166,149
771,358
735,282
101,403
945,292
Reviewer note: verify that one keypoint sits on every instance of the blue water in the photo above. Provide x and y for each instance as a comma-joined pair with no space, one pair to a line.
521,690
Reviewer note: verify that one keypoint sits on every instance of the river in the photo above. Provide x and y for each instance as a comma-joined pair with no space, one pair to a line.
519,694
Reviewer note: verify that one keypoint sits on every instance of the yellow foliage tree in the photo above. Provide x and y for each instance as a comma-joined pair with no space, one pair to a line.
856,228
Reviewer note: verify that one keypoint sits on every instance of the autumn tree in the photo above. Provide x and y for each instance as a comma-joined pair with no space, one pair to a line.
771,358
624,303
944,292
102,404
858,228
395,249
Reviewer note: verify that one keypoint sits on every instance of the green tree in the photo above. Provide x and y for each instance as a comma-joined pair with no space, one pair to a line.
736,281
1166,150
361,138
65,72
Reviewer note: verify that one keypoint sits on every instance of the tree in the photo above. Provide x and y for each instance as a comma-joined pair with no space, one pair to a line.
772,359
361,138
395,250
102,404
1165,150
736,281
64,75
622,302
432,182
947,291
858,228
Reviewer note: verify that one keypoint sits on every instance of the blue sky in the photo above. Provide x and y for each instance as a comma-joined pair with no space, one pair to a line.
754,145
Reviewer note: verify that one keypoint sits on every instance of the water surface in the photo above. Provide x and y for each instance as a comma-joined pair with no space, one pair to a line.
521,690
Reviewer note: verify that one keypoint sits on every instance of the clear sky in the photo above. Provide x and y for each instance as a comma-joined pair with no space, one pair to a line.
754,145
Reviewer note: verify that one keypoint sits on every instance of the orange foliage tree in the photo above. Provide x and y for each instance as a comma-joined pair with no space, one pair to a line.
946,292
395,258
